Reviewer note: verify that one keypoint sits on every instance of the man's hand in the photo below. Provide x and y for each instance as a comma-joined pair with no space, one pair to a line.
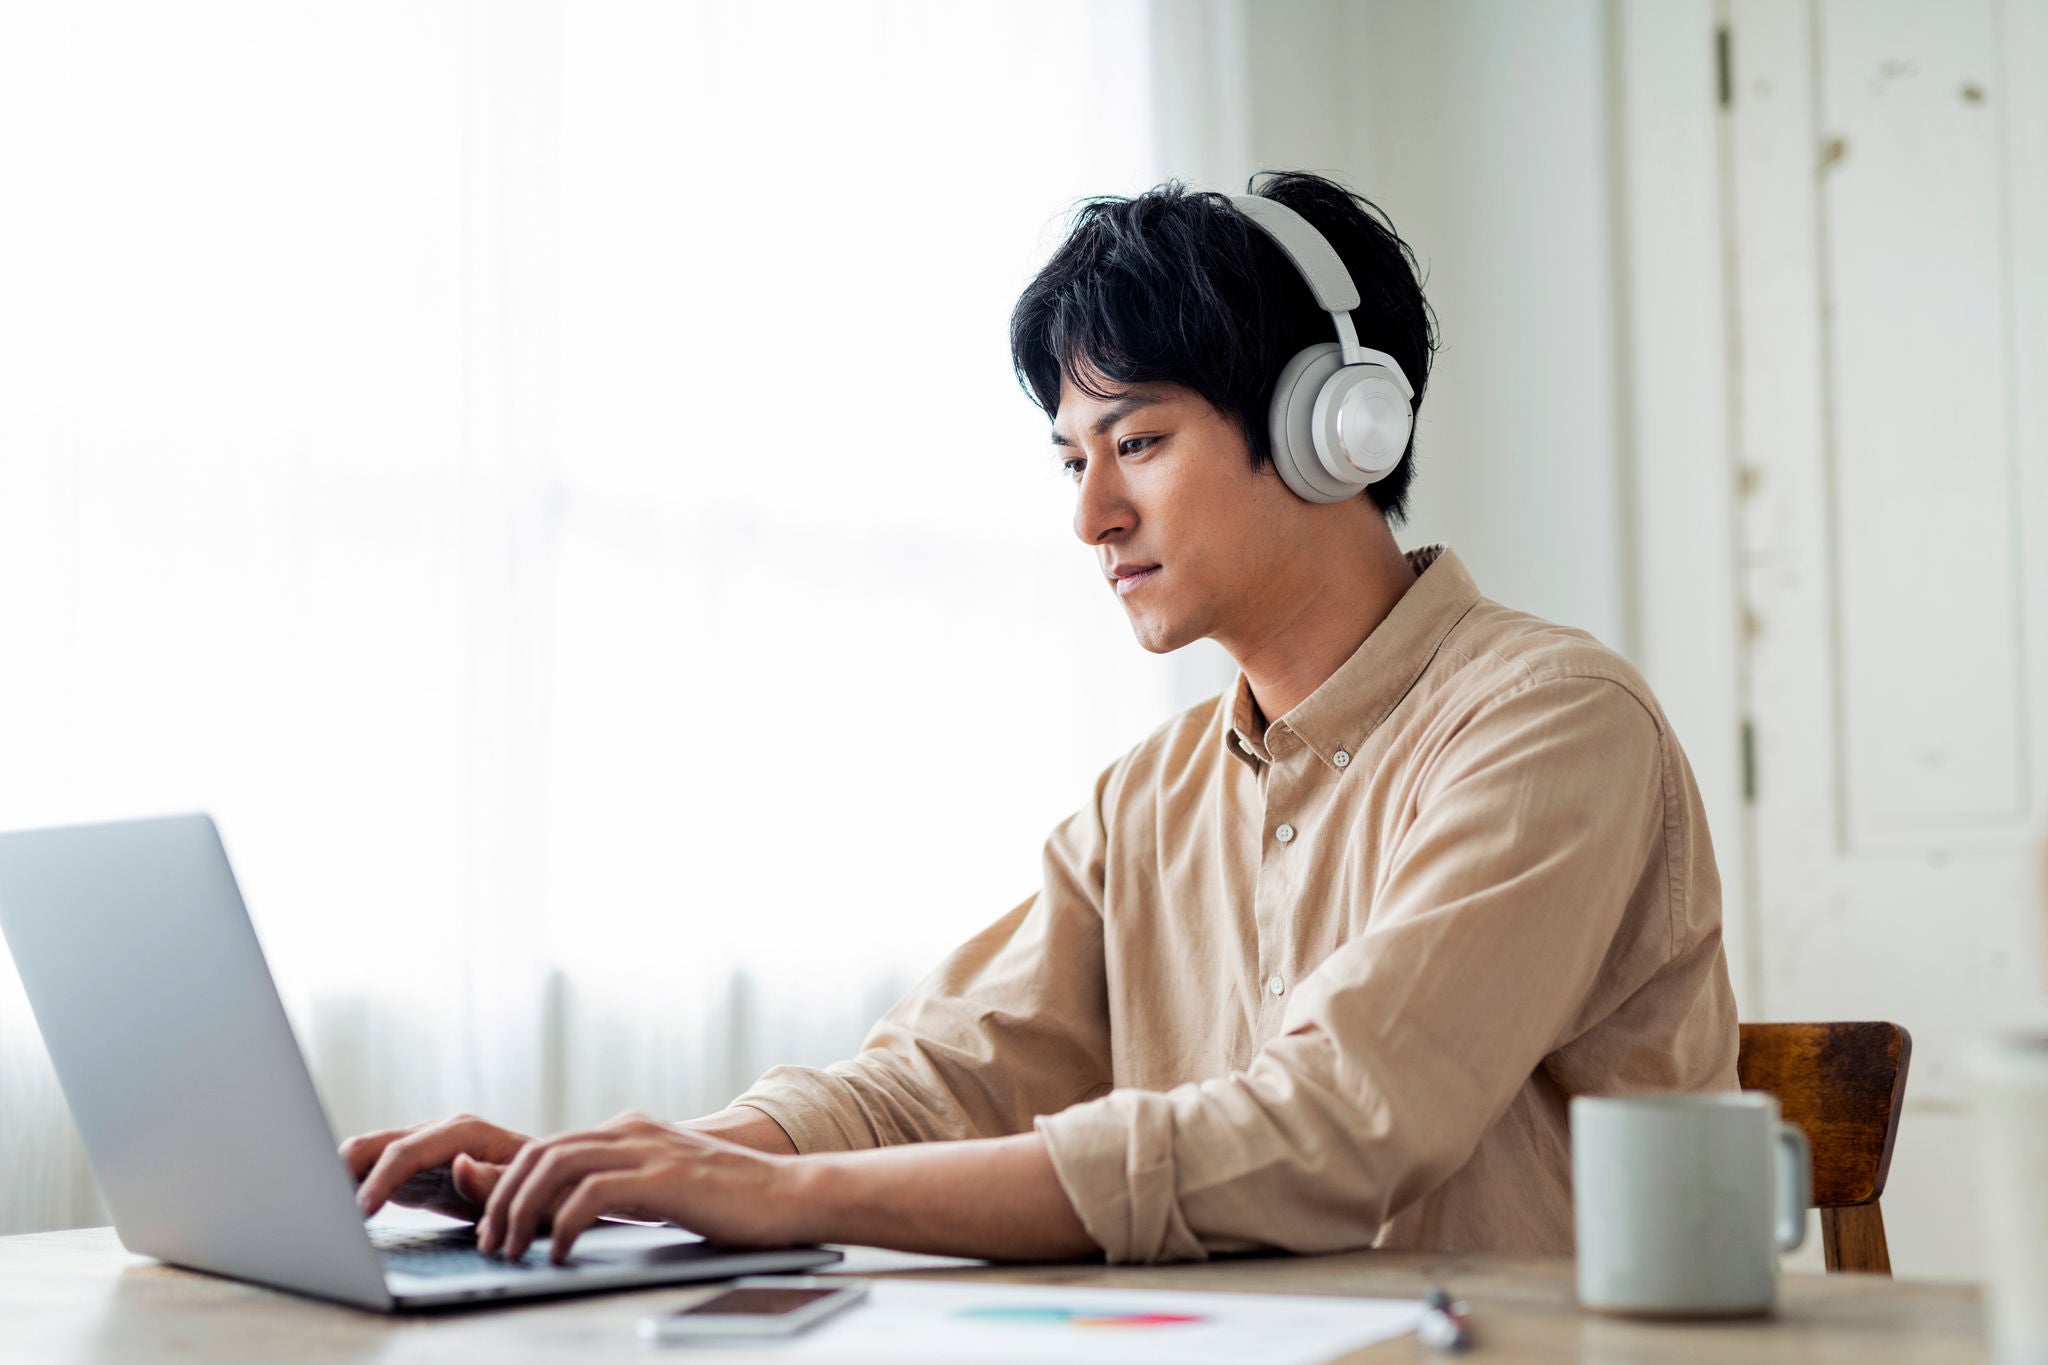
637,1167
992,1197
450,1165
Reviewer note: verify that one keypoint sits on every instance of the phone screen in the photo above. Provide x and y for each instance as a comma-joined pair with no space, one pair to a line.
755,1303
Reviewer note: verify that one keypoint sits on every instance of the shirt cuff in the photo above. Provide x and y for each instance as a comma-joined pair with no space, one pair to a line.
1114,1158
805,1102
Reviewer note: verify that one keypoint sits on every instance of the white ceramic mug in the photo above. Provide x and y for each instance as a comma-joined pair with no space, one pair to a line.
1683,1202
2011,1076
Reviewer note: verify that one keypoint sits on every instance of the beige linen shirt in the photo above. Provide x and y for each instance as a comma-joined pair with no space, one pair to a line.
1334,984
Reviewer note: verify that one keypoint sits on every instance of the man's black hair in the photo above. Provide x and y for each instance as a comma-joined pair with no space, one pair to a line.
1178,286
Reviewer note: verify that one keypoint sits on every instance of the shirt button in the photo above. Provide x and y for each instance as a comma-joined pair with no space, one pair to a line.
1285,834
1276,985
1341,759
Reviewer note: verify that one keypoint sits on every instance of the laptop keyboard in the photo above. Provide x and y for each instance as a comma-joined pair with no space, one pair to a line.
442,1252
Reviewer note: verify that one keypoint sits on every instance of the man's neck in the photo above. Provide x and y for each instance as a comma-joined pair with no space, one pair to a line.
1329,617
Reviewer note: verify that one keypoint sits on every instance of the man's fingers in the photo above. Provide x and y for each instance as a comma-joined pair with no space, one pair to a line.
400,1161
553,1176
433,1145
525,1198
593,1197
474,1180
490,1229
361,1152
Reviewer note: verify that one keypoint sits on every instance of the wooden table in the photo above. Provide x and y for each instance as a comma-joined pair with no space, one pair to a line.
77,1297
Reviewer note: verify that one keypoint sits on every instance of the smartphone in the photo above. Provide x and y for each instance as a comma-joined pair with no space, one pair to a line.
757,1306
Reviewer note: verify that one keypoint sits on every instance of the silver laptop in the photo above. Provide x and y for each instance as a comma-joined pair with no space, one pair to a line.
195,1105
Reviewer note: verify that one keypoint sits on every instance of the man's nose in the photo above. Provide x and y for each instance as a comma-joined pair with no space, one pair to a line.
1102,507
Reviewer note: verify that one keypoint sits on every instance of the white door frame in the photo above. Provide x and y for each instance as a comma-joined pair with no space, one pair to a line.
1675,342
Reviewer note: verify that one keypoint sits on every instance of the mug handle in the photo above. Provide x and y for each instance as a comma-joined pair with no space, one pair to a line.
1795,1186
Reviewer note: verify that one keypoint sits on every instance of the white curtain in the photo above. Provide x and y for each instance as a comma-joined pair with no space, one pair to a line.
549,480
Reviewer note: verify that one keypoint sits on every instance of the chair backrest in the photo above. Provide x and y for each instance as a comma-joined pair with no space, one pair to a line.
1841,1083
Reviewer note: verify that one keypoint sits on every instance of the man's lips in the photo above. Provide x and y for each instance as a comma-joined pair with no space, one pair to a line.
1129,578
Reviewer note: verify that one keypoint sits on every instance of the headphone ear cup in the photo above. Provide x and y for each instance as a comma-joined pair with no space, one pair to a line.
1291,427
1361,422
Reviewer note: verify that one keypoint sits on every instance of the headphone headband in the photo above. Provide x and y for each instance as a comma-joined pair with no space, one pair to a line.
1310,251
1342,415
1324,270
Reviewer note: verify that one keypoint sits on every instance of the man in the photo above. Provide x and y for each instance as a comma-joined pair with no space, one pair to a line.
1321,961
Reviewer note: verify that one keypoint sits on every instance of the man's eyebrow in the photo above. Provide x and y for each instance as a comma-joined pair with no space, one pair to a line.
1111,415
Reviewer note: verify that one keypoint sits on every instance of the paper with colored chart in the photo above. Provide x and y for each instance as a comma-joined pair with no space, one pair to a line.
911,1322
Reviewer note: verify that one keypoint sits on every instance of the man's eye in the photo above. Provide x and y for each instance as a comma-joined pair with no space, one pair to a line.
1131,445
1072,468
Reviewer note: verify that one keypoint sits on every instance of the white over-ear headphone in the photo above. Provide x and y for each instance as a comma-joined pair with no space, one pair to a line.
1341,413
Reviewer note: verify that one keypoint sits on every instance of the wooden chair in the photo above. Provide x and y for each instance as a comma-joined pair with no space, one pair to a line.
1842,1084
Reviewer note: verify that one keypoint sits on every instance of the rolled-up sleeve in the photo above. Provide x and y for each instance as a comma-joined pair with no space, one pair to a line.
1013,1024
1537,825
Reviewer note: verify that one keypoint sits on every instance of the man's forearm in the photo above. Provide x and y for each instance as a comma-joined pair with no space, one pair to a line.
747,1126
997,1198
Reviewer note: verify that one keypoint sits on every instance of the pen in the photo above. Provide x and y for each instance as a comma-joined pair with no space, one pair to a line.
1445,1325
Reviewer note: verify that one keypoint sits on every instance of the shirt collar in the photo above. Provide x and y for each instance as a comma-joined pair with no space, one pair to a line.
1351,703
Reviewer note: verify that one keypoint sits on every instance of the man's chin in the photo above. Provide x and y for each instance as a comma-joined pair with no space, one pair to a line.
1157,636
